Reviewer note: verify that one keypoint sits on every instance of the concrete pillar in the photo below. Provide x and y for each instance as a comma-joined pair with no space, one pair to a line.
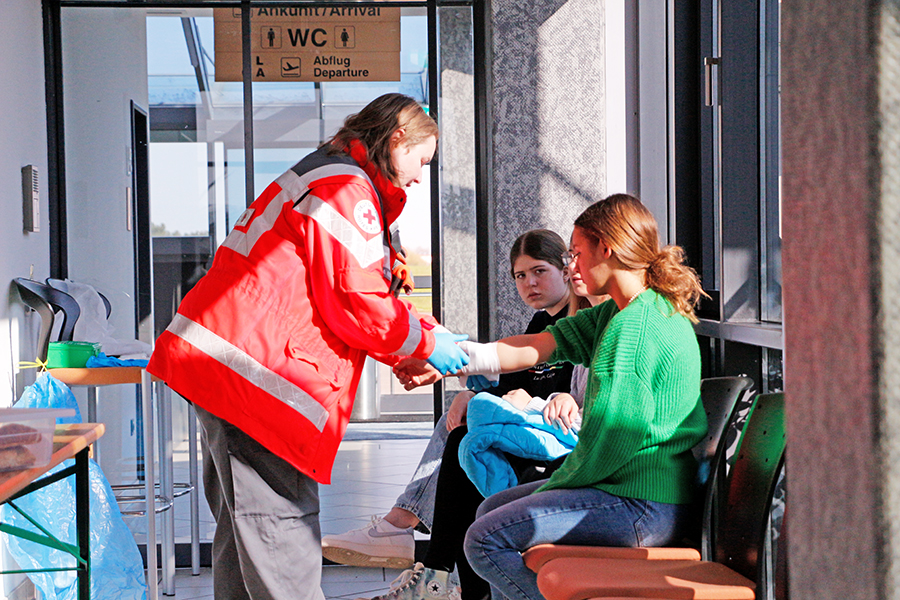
549,125
841,259
457,118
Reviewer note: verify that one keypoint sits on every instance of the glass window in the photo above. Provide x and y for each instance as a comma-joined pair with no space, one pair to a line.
770,117
178,189
739,214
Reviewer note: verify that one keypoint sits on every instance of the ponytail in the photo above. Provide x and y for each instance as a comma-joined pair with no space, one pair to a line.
670,277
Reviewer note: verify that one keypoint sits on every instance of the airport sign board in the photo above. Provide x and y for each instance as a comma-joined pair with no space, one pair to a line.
320,43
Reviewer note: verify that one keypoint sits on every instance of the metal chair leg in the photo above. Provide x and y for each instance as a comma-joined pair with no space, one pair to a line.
149,482
195,489
166,489
92,416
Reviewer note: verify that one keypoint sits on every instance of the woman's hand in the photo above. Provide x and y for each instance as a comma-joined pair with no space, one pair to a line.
415,372
518,398
456,414
561,412
447,357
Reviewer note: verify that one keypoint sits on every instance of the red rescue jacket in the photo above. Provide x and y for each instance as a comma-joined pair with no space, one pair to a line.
273,338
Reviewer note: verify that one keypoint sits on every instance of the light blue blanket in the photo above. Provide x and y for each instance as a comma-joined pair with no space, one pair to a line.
495,427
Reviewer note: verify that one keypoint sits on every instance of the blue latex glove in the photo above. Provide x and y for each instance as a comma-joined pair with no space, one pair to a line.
447,357
480,383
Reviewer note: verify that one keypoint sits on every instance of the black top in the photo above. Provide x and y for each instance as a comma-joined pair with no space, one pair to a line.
543,379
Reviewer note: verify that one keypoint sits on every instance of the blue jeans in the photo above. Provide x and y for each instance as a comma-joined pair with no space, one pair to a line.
511,521
418,497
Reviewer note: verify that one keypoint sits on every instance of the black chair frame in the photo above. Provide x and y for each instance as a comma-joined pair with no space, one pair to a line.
62,285
48,302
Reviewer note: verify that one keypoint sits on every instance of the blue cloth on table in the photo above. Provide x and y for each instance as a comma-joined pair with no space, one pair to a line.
497,427
102,360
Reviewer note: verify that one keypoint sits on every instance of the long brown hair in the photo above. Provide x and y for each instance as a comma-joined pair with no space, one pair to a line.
376,123
630,231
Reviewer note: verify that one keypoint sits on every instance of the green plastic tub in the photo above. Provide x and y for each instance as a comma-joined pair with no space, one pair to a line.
70,354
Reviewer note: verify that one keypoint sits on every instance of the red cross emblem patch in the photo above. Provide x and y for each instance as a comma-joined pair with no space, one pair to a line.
367,217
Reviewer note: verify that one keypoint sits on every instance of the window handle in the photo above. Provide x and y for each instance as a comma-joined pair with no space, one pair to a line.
708,63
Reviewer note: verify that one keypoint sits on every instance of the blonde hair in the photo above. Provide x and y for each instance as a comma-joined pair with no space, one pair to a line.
376,123
630,231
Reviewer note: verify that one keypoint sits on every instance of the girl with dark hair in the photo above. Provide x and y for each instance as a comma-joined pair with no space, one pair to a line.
270,344
629,480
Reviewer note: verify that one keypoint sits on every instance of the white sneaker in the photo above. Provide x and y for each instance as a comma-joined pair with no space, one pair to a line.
421,583
378,544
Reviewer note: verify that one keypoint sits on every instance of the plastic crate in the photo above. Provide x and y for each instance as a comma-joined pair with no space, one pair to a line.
26,436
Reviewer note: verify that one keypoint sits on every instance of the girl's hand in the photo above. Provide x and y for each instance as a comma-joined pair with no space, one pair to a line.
456,414
561,412
518,398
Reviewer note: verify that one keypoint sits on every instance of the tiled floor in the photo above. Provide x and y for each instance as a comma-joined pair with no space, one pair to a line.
373,465
338,582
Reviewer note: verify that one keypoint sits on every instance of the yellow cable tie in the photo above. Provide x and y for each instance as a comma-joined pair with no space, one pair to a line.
33,364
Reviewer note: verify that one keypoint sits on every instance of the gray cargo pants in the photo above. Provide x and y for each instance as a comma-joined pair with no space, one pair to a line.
268,544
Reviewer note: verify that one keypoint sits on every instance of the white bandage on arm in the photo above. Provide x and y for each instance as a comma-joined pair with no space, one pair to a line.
483,359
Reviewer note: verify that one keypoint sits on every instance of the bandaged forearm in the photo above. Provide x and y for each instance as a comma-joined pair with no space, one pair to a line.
483,358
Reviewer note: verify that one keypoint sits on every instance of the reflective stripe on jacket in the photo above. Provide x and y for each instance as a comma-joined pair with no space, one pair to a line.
273,338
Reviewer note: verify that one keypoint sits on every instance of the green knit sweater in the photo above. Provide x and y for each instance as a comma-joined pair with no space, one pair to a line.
642,410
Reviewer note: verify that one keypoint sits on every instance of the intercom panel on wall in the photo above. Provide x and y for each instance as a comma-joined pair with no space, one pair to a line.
31,199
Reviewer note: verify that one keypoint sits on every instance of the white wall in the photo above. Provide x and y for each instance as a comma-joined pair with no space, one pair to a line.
105,68
23,130
622,173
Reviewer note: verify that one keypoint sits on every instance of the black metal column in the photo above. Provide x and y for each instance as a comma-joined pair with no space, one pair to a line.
56,150
247,77
484,122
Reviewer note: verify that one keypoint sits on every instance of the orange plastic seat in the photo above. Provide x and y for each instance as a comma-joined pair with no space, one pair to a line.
537,556
582,578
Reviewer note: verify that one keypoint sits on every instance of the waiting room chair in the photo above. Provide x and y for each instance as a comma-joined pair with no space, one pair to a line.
47,302
721,398
742,562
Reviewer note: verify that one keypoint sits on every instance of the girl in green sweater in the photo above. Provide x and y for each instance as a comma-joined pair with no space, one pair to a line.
629,480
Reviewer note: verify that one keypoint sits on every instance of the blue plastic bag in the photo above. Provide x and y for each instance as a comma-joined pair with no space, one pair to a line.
117,570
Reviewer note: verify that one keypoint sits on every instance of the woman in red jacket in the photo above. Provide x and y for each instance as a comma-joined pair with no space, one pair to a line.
270,344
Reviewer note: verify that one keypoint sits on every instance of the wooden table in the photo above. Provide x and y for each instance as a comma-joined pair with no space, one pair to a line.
98,376
69,441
